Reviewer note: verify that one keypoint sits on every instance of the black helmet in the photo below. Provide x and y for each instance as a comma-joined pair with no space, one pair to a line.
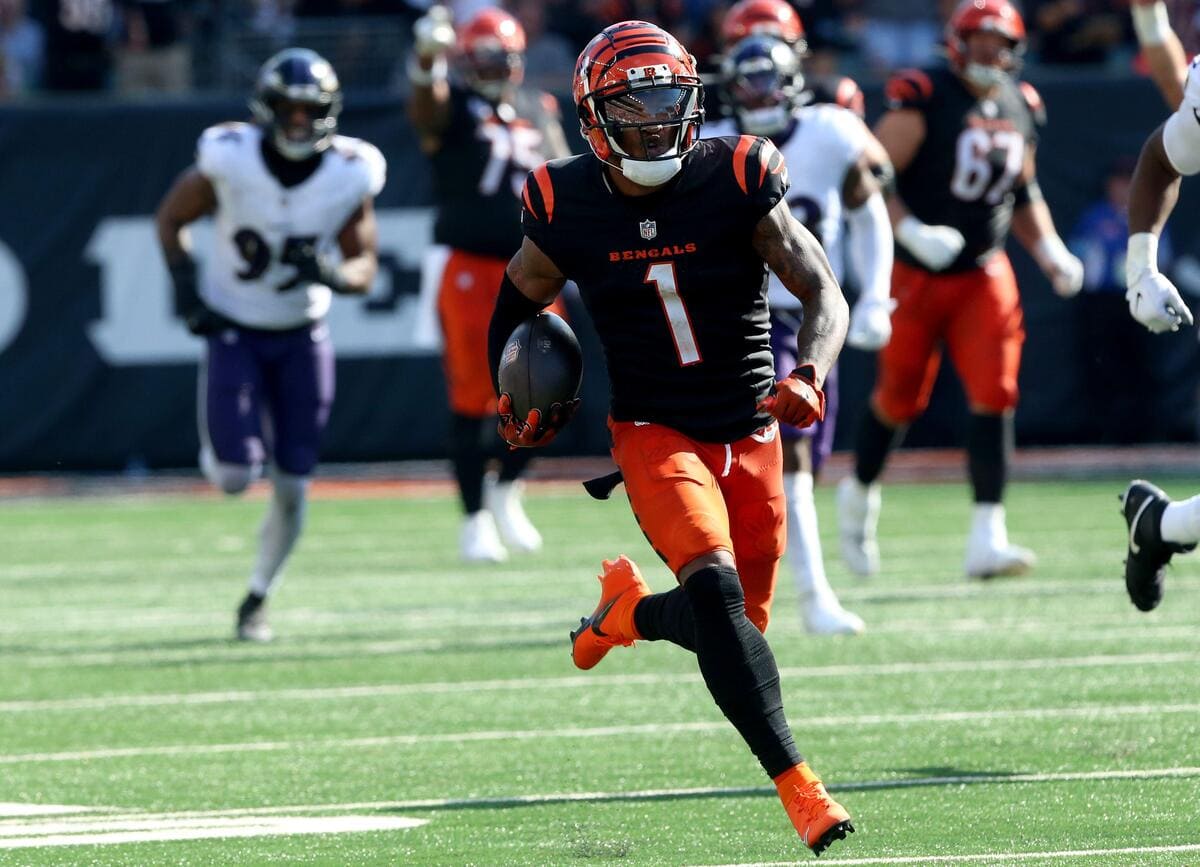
763,84
298,75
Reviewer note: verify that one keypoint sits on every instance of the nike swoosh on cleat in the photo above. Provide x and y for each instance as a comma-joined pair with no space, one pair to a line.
1134,547
599,616
1196,115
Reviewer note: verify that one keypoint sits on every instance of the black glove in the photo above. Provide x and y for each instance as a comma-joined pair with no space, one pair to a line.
311,265
199,318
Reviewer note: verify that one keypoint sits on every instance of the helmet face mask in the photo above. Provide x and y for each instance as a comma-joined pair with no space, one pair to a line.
639,100
491,53
297,100
763,84
985,40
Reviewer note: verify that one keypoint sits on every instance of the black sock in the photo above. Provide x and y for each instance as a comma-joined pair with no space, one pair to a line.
513,463
739,668
469,458
666,617
989,441
872,444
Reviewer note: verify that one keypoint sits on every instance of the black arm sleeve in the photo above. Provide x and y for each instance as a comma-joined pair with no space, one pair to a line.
512,308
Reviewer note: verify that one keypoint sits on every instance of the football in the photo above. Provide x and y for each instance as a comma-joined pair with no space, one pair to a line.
541,365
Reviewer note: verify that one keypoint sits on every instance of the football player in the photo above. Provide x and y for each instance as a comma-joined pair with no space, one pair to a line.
668,238
292,203
483,134
778,19
962,140
832,163
1159,528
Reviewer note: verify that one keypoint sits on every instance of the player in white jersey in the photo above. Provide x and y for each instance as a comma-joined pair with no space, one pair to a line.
292,203
833,161
1159,528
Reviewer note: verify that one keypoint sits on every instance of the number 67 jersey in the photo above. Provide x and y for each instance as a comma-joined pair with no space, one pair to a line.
261,226
972,155
672,281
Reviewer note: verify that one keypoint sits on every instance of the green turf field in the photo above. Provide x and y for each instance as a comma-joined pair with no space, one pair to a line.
1033,721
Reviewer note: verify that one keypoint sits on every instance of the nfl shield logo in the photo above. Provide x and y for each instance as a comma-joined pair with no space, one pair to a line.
648,228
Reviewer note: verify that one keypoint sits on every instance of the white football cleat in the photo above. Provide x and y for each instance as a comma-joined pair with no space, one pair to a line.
858,522
826,616
478,541
503,500
987,561
989,553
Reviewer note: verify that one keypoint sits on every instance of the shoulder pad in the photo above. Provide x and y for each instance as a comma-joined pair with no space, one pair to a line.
219,146
909,88
538,195
753,158
365,160
1033,99
849,96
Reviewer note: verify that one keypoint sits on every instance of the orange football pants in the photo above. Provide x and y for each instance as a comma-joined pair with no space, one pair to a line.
466,298
692,498
976,315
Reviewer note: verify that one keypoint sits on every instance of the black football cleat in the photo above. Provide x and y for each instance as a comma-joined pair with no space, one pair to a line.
252,620
1148,554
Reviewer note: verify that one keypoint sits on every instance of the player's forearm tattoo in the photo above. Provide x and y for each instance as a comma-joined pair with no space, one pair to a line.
796,257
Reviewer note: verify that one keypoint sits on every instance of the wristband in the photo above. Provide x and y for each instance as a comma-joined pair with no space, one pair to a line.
1151,23
1141,255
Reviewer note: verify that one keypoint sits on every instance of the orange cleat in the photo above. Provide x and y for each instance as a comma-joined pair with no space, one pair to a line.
611,624
818,818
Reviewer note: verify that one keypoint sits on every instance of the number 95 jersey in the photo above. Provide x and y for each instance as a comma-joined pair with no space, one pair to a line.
260,224
671,280
973,152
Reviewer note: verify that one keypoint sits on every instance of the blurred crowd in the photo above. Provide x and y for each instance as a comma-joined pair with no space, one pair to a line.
174,46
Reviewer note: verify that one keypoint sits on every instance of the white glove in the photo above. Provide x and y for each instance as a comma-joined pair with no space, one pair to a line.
434,33
1153,299
934,246
1061,267
870,323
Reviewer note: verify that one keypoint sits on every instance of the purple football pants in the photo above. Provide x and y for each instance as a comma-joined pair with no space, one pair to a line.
784,326
268,393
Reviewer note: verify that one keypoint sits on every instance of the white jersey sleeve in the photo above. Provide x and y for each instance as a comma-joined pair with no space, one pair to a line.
365,163
221,148
1181,133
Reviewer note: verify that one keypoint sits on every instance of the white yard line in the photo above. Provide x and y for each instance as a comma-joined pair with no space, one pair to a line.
1092,712
581,681
138,818
989,857
150,828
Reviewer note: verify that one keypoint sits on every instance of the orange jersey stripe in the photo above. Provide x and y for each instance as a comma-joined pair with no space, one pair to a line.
739,161
542,175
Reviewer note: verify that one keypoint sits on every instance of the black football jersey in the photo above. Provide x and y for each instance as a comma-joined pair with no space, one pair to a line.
671,280
478,171
974,150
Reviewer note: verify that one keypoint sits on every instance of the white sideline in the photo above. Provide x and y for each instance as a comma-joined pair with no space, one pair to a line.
989,857
1095,712
581,681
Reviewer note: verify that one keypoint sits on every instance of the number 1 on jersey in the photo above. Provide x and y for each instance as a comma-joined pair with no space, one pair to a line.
662,275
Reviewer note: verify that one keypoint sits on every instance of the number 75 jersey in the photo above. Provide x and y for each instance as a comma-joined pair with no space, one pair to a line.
261,226
972,155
